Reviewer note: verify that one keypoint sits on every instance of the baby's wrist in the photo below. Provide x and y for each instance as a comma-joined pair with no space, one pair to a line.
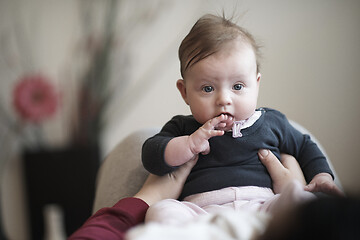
193,148
323,174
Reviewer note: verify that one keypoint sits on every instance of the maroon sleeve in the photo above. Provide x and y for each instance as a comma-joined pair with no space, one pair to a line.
113,222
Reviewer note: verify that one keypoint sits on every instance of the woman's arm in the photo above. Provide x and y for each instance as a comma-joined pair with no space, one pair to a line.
113,222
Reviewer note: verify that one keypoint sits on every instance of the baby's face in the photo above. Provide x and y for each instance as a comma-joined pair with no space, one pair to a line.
223,83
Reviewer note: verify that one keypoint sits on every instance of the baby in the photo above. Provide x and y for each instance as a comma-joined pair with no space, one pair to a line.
221,79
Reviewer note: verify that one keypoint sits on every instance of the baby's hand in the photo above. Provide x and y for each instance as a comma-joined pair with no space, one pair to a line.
226,124
323,182
198,141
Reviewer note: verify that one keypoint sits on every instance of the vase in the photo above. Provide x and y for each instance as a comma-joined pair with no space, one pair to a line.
2,233
65,177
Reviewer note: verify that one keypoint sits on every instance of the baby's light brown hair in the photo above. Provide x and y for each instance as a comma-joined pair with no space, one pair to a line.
209,34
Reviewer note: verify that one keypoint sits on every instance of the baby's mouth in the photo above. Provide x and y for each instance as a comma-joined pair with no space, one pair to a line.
227,114
226,125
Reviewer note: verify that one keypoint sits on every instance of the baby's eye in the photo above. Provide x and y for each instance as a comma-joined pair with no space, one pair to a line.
238,86
208,89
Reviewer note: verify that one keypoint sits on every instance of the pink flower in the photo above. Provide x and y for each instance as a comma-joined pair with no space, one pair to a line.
34,98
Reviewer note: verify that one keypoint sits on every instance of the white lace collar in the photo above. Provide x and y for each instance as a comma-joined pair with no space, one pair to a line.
242,124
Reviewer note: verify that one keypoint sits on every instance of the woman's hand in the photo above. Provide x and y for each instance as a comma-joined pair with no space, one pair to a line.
157,188
282,172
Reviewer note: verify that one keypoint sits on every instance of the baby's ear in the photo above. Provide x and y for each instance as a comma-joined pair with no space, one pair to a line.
180,84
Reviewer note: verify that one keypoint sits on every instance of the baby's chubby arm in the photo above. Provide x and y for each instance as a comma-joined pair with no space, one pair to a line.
182,149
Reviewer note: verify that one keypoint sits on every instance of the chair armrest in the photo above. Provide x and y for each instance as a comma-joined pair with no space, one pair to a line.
122,173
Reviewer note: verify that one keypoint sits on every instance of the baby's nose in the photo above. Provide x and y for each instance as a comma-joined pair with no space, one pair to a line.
223,99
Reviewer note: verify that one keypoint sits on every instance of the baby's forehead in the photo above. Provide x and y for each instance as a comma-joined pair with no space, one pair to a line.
233,63
238,44
227,49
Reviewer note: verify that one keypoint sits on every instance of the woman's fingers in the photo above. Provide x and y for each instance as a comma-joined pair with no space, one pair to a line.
290,163
272,164
281,173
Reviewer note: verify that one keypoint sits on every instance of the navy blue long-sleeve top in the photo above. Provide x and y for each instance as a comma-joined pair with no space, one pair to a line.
234,161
